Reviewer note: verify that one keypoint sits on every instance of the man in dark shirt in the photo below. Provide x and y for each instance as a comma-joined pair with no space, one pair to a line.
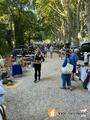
37,65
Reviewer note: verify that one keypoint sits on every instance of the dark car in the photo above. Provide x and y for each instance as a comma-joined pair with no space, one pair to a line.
85,47
21,50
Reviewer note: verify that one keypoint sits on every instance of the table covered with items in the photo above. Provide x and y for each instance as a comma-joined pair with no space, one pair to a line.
11,68
16,69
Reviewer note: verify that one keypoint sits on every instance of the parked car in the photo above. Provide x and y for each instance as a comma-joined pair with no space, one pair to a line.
85,47
21,50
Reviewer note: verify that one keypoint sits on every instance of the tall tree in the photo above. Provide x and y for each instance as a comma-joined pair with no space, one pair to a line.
87,3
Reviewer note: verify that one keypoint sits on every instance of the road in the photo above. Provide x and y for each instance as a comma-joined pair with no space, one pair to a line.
31,101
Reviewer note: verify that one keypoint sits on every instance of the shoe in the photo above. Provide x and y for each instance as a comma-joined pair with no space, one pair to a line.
35,81
68,87
63,88
73,79
71,88
39,79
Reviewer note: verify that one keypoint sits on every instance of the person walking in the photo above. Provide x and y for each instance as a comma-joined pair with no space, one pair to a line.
37,65
51,51
45,49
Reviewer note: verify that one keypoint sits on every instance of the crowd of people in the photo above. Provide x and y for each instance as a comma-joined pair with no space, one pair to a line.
8,69
68,69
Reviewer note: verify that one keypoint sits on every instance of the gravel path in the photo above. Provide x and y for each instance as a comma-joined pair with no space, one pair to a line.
31,101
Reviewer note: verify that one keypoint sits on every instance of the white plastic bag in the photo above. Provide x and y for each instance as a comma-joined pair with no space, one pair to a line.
67,69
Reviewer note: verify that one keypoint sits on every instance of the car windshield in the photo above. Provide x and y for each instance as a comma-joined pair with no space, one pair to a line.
86,47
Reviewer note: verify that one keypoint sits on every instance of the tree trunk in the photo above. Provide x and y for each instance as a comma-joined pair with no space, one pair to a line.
9,38
29,40
19,32
87,3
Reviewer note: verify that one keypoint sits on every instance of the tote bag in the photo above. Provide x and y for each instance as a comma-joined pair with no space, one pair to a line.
67,69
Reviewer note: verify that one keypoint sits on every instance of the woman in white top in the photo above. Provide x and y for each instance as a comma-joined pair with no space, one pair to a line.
51,51
83,71
85,57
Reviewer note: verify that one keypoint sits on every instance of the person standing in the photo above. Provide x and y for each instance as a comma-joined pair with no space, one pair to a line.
45,49
51,51
83,74
37,65
74,59
85,57
66,77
